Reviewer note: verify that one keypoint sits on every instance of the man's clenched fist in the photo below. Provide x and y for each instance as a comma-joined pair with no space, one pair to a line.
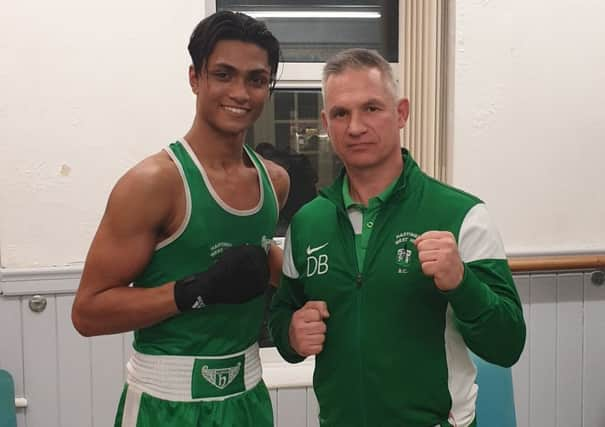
439,258
307,331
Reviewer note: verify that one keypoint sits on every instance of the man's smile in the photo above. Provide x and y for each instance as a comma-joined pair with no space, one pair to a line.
236,110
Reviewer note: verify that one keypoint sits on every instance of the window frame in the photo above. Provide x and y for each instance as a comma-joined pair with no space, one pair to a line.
304,75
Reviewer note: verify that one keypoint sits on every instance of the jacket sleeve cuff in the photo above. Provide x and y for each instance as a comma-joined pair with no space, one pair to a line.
471,298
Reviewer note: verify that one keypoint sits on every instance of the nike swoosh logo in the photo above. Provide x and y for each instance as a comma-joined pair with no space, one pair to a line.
310,250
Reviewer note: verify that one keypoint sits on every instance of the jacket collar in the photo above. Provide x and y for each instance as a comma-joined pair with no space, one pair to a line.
333,192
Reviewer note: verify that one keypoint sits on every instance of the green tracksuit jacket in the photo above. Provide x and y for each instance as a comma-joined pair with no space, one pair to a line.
396,349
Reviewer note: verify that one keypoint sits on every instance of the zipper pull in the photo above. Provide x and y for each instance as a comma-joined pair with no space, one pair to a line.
358,280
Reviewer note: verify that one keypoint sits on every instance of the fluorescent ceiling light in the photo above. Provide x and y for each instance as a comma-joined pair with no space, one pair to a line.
311,14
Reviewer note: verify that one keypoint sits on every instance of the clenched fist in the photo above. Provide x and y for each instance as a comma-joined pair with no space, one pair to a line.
307,331
439,258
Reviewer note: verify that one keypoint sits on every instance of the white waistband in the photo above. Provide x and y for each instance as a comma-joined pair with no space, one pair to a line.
170,377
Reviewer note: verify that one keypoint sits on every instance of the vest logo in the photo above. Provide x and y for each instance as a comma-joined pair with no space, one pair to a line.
221,378
316,264
218,248
404,249
265,243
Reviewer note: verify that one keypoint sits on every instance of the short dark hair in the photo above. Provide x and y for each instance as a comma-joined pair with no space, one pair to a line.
227,25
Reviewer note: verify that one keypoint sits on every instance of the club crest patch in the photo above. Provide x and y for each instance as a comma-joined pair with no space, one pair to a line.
214,377
404,250
221,378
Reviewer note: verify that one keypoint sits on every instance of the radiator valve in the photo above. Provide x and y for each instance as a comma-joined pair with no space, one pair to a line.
597,277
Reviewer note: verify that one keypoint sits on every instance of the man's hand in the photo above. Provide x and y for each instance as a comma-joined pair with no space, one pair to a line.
307,331
240,274
439,258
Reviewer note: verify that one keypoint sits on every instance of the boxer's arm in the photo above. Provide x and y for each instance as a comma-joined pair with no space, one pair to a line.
138,207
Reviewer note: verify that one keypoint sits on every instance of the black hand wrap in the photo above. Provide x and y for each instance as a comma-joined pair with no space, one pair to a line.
240,274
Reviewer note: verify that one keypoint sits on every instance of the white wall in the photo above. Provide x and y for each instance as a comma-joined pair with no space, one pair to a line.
529,119
88,89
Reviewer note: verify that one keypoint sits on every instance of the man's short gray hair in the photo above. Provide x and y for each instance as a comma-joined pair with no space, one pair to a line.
358,59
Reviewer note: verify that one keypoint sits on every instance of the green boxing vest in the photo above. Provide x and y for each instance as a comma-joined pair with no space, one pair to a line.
210,226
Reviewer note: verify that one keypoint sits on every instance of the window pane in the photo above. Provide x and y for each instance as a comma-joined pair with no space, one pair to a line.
289,132
312,31
284,105
308,107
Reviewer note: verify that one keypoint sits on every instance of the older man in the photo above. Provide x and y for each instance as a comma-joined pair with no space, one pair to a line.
390,276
